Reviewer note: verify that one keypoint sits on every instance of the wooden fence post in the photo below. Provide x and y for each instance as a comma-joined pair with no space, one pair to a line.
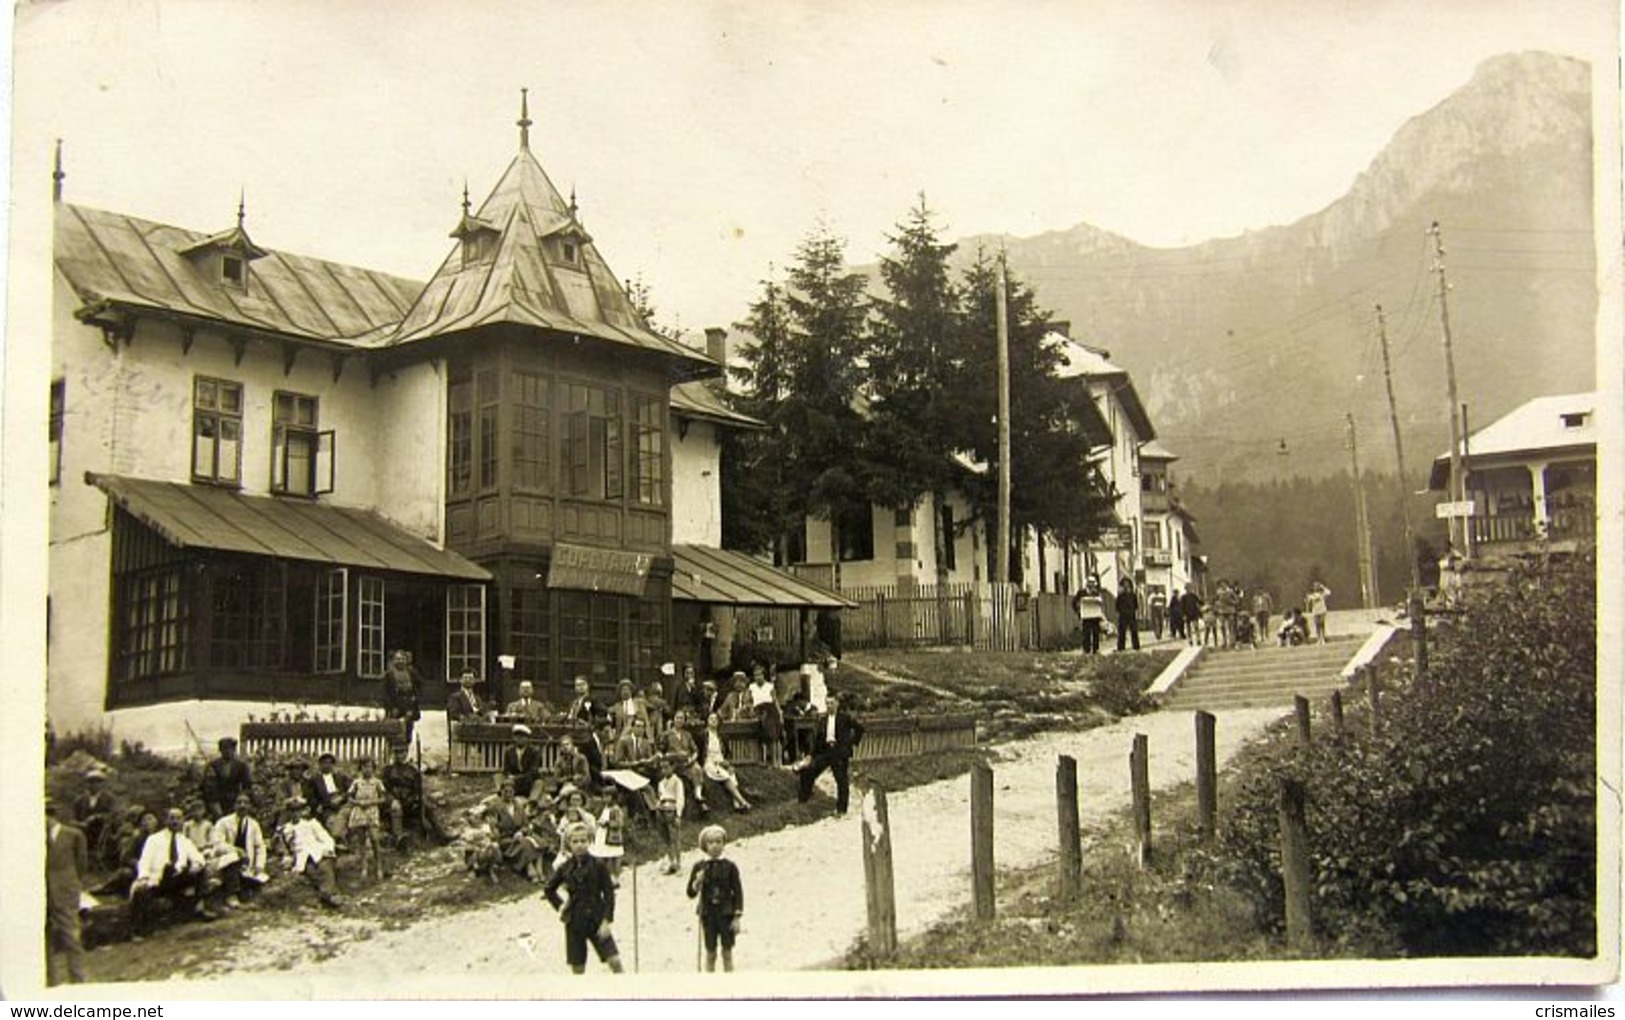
1207,776
1140,782
1300,708
971,610
1337,715
877,873
1295,865
1419,634
981,839
880,611
1066,812
1373,693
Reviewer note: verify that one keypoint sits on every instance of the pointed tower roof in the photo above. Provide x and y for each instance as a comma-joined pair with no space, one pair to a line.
524,259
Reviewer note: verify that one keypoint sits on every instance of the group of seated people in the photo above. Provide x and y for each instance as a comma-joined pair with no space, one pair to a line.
642,758
211,853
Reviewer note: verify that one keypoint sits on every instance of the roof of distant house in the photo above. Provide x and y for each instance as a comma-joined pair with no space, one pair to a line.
1544,424
1080,360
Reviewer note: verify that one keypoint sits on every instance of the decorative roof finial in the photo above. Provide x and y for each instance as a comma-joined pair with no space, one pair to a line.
242,209
524,119
573,207
465,196
57,175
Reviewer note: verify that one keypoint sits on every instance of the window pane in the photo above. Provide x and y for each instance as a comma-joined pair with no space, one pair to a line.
301,462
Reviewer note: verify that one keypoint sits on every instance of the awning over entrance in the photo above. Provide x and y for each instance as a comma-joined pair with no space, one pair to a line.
703,574
206,517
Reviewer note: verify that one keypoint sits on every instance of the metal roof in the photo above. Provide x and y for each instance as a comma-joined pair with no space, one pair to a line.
143,265
698,400
1534,427
1082,361
528,283
209,517
705,574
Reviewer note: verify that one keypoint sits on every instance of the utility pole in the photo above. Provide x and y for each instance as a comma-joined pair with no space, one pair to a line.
1458,484
1362,524
1399,456
1001,572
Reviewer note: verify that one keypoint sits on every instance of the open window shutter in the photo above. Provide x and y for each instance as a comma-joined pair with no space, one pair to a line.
326,461
279,458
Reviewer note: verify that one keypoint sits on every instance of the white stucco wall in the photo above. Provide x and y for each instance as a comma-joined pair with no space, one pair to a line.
406,415
128,411
696,484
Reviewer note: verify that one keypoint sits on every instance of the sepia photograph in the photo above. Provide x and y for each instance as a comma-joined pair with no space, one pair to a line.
577,499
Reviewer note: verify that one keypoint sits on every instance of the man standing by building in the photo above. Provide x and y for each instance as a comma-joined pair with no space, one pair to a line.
67,862
403,686
224,779
1128,615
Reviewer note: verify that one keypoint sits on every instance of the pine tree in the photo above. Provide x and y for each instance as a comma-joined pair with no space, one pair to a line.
911,353
827,473
1055,489
756,509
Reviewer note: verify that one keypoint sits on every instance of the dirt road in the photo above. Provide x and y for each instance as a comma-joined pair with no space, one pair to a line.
803,886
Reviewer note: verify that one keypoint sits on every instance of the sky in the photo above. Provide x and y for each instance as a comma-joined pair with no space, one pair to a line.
707,139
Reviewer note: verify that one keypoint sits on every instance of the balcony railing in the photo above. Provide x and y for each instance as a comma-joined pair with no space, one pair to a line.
1563,523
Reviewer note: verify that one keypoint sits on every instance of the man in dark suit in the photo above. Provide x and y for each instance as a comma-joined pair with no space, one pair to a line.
585,707
67,862
594,745
225,779
522,761
328,793
834,741
95,812
465,703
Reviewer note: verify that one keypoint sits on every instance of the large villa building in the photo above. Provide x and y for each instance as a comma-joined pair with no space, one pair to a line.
270,471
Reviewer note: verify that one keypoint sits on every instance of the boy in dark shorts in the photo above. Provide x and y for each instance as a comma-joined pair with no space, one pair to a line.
714,882
589,909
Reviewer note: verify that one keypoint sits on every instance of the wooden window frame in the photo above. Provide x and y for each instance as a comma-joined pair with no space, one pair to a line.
210,409
292,427
371,644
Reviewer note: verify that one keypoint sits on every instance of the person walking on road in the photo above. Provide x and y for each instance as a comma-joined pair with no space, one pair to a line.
1128,615
1191,605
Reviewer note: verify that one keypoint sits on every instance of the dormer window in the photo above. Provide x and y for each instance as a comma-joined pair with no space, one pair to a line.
570,253
233,271
478,247
1575,419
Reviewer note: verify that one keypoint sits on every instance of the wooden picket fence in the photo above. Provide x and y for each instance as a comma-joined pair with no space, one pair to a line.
979,615
478,746
346,740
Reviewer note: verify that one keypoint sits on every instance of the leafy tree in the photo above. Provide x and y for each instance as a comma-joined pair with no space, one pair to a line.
1466,825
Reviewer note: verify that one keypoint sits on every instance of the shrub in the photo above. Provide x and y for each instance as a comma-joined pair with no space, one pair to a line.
96,741
1466,826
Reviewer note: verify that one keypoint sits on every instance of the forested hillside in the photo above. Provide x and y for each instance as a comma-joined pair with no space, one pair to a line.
1286,533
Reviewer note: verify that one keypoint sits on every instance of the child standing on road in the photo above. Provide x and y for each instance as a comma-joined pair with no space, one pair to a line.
715,884
588,906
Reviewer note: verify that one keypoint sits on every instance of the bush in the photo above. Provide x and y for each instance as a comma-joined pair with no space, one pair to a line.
96,741
1467,825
